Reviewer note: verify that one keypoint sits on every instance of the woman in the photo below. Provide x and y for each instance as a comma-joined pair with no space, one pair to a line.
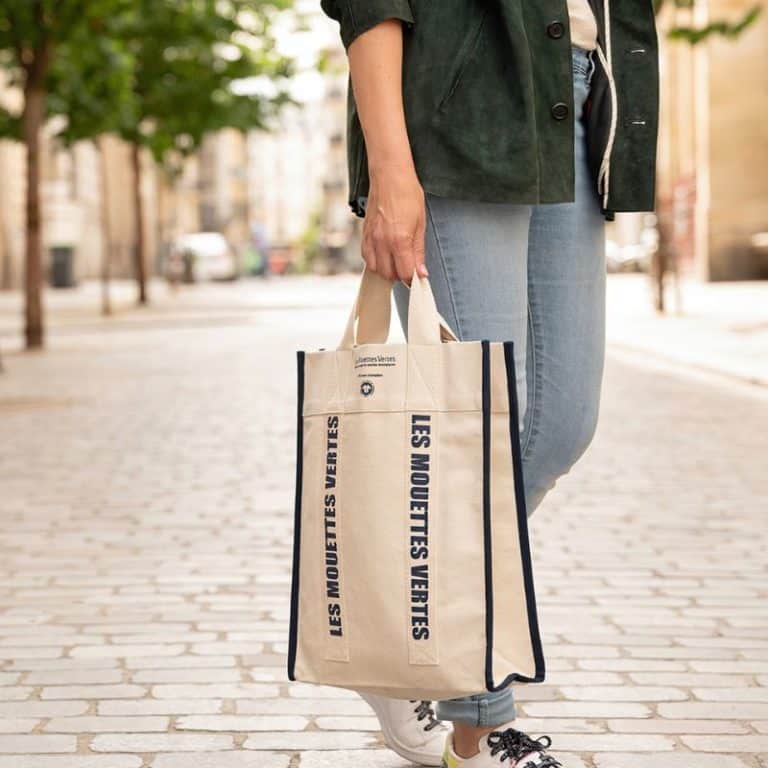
488,140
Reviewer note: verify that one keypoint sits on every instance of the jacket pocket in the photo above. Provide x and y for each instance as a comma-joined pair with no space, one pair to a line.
463,56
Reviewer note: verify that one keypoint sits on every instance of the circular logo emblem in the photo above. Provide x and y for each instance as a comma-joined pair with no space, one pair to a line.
366,388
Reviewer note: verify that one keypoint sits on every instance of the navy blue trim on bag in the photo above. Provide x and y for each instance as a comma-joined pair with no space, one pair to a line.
522,527
487,542
294,624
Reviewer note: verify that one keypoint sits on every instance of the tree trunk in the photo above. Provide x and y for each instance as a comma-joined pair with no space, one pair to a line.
6,267
665,251
138,206
32,121
106,231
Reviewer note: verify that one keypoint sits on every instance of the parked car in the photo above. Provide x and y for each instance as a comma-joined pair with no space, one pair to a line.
201,256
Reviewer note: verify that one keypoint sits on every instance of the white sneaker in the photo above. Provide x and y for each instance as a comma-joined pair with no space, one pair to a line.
410,728
505,748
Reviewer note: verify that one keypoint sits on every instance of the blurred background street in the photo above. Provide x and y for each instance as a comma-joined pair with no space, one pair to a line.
173,227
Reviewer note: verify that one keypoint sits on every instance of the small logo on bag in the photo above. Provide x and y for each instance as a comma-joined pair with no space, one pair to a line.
366,388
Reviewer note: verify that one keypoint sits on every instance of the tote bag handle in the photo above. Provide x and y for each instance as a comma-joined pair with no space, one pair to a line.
372,312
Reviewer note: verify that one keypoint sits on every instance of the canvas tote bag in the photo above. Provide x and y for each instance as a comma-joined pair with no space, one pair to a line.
411,564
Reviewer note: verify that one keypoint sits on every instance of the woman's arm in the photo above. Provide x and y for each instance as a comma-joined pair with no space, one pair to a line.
393,232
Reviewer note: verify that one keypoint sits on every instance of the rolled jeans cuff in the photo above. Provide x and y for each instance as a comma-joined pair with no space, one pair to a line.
481,710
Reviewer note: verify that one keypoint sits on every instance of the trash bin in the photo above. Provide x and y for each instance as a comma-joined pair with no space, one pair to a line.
62,266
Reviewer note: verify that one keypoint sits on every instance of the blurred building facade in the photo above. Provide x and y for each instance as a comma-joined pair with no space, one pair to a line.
713,154
284,181
88,206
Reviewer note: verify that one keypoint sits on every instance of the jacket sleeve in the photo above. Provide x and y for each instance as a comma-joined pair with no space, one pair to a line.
358,16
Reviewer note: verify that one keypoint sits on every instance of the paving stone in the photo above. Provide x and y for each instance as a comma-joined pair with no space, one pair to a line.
309,740
690,679
347,723
718,711
658,725
17,724
93,692
727,744
118,651
14,693
105,724
74,677
220,675
221,760
535,725
43,708
30,652
222,649
633,665
731,694
668,760
71,761
312,707
729,667
241,723
62,664
160,742
212,691
369,758
584,709
36,743
303,690
133,707
622,693
611,742
183,661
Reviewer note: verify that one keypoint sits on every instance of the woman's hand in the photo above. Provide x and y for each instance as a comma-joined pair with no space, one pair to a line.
393,232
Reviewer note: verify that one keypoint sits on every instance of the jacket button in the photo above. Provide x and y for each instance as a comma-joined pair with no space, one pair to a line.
560,110
556,30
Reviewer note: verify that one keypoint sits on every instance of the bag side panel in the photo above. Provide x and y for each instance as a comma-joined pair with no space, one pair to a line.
296,558
517,652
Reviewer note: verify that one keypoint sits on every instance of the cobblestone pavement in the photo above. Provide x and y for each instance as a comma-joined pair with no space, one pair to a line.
146,497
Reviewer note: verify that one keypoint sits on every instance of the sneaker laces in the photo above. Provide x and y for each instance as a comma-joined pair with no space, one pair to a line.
514,745
424,710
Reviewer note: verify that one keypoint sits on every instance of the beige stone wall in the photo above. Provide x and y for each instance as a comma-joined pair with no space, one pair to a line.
714,133
71,194
738,145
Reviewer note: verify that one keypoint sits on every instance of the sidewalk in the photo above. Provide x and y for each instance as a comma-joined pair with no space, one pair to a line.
722,327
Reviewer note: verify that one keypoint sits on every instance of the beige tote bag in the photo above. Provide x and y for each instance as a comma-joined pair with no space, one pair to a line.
411,563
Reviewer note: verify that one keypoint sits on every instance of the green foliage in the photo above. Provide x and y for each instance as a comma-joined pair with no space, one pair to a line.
732,30
160,73
188,56
719,27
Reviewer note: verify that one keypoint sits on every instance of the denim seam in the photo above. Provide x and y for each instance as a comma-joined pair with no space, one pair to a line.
482,712
441,259
532,398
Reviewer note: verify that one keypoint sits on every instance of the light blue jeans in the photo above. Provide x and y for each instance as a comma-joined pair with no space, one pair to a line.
534,275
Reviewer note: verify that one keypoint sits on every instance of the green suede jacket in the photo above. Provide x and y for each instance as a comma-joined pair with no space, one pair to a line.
488,94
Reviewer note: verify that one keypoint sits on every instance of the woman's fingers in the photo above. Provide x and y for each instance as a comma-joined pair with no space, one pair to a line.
384,264
402,246
419,249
